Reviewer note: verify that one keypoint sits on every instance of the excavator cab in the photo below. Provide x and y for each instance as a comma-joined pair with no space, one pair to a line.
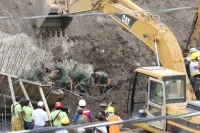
154,88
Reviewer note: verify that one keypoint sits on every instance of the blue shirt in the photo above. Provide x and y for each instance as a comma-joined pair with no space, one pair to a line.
76,116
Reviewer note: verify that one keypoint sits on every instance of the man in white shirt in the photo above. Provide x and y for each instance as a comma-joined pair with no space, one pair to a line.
194,65
40,117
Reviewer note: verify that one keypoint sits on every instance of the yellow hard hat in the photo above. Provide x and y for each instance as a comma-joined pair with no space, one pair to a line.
193,55
196,73
65,120
110,109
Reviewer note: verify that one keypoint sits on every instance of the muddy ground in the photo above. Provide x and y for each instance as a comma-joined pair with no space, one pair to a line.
89,40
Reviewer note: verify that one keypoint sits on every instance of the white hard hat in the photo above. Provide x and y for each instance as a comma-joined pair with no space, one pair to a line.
40,104
80,130
82,102
193,50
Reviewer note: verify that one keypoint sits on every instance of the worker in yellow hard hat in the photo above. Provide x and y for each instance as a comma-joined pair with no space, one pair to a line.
111,118
196,86
65,122
194,65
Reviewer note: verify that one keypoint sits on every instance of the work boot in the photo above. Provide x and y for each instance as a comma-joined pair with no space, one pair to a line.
82,93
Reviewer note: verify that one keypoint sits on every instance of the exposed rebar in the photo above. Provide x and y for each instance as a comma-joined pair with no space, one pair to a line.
21,63
14,58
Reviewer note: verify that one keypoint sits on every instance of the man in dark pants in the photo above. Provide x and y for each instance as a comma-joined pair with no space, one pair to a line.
101,80
80,79
196,86
27,115
103,115
63,72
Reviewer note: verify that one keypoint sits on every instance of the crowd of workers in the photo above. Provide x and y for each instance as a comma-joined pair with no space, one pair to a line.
192,63
27,118
77,78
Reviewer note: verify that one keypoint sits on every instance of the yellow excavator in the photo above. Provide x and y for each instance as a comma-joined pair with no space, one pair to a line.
195,30
165,90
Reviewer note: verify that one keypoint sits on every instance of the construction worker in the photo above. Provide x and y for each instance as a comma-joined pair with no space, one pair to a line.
101,80
17,121
64,78
193,50
194,66
196,86
57,115
27,115
111,118
82,119
186,57
65,122
103,115
80,79
40,117
86,112
37,74
101,129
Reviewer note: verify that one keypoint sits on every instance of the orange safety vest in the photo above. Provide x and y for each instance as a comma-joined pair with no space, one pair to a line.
113,128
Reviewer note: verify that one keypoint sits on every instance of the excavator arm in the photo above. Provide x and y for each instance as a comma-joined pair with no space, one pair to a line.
195,30
144,26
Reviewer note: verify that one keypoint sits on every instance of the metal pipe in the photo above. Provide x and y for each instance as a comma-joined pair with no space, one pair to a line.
156,51
5,113
2,121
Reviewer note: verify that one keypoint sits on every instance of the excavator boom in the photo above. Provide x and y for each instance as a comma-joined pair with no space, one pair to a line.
195,30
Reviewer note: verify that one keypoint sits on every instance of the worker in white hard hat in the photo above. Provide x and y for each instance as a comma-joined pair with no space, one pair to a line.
193,50
86,112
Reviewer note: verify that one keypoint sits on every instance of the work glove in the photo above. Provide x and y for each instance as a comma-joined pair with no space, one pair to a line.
98,85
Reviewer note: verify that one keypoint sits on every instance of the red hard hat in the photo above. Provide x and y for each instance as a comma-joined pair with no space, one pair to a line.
58,105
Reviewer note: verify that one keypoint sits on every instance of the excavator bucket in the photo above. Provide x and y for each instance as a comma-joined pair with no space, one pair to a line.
51,25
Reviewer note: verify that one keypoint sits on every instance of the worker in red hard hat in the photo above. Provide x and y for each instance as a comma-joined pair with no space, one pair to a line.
57,115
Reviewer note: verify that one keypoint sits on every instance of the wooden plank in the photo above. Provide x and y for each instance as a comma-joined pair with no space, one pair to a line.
6,74
72,93
9,97
30,82
31,89
25,93
44,100
11,89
